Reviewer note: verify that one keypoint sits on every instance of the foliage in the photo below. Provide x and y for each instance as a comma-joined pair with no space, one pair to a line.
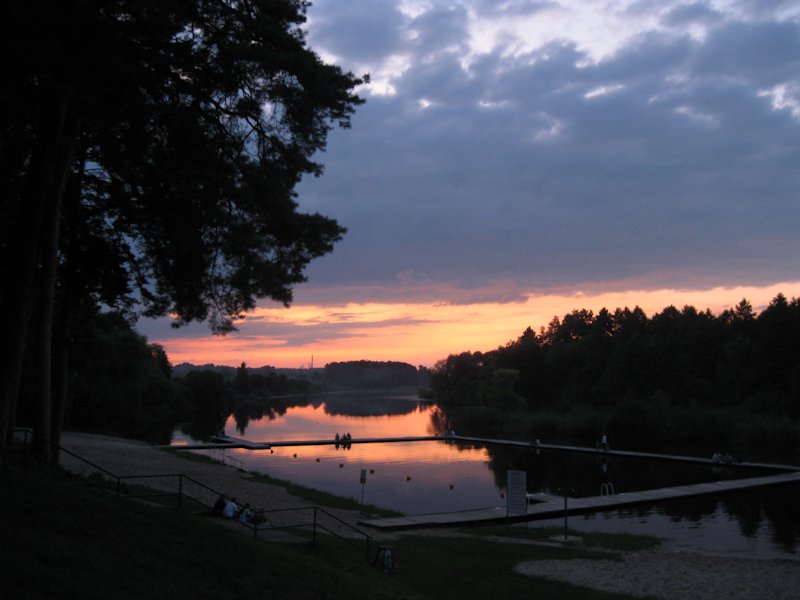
117,378
374,374
678,376
149,159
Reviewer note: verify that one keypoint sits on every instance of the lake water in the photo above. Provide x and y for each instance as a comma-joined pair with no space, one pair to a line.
425,477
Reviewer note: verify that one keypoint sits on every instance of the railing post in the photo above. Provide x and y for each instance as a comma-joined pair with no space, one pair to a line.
314,534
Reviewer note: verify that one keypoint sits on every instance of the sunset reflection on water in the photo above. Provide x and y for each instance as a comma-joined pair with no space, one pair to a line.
410,477
435,476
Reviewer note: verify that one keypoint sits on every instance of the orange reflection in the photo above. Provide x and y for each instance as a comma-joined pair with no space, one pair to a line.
309,423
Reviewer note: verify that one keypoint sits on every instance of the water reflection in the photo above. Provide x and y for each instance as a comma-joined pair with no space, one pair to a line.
416,478
761,523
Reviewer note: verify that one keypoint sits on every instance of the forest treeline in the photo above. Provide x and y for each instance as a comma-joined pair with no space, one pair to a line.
121,384
681,377
376,374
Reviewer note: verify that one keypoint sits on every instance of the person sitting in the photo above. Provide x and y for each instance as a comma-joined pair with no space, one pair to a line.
230,510
246,514
219,506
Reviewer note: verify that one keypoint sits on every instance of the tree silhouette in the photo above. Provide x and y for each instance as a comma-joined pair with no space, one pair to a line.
170,135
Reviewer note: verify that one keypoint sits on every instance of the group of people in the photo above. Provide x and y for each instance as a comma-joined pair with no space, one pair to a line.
229,508
726,458
343,440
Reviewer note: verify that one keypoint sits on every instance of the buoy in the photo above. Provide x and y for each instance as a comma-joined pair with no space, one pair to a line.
340,465
451,486
371,471
295,454
317,460
272,451
502,495
408,478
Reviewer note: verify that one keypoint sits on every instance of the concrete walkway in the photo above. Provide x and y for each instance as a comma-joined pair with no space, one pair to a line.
547,506
223,441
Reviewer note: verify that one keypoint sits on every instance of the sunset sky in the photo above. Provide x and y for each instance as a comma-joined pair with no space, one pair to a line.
516,160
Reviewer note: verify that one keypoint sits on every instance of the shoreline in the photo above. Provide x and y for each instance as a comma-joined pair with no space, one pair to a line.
660,572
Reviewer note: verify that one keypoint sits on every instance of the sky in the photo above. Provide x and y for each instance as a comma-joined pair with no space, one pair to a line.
516,160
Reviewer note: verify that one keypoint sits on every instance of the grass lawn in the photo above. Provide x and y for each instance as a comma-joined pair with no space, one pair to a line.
60,538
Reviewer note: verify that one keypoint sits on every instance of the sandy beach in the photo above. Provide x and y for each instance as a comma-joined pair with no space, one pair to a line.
657,573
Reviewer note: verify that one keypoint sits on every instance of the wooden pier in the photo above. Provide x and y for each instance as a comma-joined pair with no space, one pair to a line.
224,441
540,506
546,506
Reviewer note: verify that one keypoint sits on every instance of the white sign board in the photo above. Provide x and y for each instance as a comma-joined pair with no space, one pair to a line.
517,494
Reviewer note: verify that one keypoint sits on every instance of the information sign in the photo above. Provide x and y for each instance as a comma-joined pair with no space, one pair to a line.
517,495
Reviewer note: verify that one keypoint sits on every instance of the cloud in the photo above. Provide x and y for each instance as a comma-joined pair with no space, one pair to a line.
697,13
672,157
357,31
517,154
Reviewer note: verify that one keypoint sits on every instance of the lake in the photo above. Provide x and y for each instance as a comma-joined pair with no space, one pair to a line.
425,477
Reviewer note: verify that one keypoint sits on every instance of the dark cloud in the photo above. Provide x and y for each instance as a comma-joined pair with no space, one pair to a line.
514,8
762,9
758,53
357,30
697,13
668,158
440,29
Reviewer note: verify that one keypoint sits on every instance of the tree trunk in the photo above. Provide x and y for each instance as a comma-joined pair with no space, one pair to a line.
61,337
45,310
18,298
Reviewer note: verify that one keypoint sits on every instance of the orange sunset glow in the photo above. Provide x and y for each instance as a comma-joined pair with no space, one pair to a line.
423,333
302,423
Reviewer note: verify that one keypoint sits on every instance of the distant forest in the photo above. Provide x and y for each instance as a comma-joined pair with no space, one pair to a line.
376,374
681,377
121,384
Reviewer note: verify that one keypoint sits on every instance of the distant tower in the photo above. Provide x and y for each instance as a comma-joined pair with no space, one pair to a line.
312,361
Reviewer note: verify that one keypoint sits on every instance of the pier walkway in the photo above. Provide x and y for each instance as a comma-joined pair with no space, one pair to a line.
220,442
224,441
540,506
546,506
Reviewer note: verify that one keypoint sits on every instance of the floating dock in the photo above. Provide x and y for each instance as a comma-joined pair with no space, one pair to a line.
546,506
225,441
540,506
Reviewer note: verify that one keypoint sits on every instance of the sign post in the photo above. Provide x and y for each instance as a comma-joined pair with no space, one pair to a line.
363,484
566,491
517,496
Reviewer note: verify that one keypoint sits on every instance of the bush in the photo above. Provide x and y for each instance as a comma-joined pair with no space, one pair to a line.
777,436
640,424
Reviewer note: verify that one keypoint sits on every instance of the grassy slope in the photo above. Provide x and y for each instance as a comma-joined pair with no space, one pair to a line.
60,538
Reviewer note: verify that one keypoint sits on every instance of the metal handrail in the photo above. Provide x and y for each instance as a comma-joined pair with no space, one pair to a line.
315,524
607,489
180,494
